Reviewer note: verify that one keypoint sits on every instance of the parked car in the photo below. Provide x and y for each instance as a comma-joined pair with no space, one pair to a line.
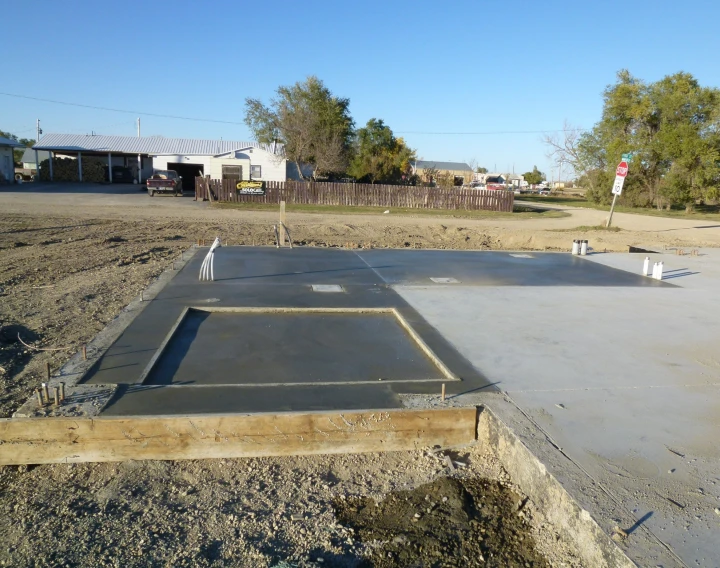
544,191
165,181
120,174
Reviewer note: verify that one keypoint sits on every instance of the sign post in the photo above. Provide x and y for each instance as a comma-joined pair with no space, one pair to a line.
620,173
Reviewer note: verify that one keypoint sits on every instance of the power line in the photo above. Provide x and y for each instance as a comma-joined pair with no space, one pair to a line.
135,112
483,133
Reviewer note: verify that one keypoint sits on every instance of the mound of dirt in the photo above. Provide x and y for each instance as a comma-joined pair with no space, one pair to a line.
449,522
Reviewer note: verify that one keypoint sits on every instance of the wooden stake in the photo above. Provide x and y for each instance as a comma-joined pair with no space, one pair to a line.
56,394
442,392
47,369
38,394
62,391
282,223
46,393
84,351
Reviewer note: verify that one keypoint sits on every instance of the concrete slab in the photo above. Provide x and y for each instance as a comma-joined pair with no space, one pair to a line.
495,268
626,381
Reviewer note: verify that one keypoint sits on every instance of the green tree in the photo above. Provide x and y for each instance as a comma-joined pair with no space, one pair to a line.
534,177
480,170
314,125
672,127
379,156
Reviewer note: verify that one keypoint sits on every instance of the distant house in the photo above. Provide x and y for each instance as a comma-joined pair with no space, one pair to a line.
462,172
7,160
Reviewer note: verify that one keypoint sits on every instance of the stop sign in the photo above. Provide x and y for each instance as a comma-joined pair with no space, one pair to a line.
622,169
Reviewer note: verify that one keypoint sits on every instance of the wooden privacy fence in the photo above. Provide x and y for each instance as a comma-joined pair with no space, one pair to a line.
356,194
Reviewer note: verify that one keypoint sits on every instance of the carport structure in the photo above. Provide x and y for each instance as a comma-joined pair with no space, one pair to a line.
141,154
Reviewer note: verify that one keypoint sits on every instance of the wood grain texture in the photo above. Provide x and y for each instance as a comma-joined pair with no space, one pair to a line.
67,440
357,194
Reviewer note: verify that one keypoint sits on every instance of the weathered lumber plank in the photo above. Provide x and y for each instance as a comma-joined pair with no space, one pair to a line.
69,440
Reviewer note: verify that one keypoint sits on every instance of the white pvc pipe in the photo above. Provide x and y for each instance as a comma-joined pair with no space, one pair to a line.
583,248
659,271
207,269
575,248
646,265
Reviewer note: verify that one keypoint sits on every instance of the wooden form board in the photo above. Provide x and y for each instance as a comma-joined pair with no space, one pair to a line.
69,440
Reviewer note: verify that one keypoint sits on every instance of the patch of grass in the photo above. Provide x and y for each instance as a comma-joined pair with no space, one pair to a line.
701,212
519,212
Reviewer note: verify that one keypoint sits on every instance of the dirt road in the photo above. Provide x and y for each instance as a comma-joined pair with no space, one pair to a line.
391,230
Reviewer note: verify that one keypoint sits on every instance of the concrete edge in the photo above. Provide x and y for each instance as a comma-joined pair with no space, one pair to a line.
565,493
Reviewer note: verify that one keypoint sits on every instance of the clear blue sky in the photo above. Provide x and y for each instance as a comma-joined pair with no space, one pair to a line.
425,68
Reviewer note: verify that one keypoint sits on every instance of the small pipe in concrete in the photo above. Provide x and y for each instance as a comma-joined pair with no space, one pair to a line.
56,395
442,392
575,248
46,392
38,394
62,391
646,265
659,271
583,248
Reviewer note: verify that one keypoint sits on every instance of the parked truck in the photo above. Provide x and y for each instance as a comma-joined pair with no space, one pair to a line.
167,181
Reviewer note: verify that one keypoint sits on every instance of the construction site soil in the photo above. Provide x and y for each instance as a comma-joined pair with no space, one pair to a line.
64,277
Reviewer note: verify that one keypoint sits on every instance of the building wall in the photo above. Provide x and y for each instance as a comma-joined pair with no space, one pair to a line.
161,162
7,164
273,168
467,175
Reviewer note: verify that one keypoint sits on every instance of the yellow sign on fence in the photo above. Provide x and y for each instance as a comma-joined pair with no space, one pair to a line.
251,187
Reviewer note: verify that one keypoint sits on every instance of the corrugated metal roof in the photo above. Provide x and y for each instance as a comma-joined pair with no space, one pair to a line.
145,145
28,156
457,166
8,142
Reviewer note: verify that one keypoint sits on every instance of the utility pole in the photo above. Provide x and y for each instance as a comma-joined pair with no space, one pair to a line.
38,131
138,126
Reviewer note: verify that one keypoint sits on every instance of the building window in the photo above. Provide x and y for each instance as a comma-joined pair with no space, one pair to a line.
255,172
232,172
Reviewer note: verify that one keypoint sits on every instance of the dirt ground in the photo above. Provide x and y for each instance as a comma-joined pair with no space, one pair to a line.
67,269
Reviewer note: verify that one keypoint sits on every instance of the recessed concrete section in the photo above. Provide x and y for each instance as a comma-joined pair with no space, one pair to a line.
441,280
288,347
